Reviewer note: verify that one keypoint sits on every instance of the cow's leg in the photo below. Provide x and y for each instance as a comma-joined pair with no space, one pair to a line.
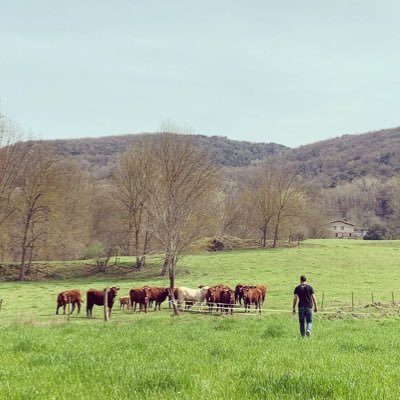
78,304
58,306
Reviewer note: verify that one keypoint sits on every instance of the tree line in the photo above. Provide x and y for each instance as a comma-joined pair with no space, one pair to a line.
164,194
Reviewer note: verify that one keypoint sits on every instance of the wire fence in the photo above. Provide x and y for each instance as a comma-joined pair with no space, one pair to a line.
356,303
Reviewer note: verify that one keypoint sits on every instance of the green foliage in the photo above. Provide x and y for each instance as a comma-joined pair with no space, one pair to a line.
94,251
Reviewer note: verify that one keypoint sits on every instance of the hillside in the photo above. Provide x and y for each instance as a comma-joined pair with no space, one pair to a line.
98,155
327,163
330,162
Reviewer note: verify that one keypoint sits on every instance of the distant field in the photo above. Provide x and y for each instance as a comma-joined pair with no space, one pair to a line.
193,356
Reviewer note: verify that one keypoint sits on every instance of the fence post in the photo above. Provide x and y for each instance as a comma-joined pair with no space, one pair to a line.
322,301
352,301
106,315
372,297
1,304
392,299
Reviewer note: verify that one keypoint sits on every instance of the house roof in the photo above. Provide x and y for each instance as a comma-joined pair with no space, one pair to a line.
343,222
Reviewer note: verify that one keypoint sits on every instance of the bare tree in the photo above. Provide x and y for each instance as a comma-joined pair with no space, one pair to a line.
288,197
131,182
12,155
34,197
260,194
107,220
181,193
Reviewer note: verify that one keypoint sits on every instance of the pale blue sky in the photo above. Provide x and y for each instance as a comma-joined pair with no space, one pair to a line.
290,72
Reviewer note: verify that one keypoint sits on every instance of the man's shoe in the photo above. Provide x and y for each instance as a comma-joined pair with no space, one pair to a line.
308,332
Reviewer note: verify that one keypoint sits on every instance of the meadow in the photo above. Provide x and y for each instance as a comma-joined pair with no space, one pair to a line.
353,354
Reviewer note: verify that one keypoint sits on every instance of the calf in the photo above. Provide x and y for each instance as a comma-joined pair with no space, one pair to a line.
96,297
140,296
73,297
124,302
252,295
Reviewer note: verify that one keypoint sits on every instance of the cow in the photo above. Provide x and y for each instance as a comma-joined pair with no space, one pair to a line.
96,297
263,289
73,297
158,295
188,296
140,296
124,301
239,293
227,300
213,296
252,295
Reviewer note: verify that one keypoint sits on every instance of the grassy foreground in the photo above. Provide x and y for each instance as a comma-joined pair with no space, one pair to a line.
193,356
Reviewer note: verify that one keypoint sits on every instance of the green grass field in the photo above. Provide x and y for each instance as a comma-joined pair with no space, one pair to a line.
352,354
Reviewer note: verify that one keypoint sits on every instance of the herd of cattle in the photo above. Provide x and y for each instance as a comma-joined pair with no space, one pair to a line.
218,298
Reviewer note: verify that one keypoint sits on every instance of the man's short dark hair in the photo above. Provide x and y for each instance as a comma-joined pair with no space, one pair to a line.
303,278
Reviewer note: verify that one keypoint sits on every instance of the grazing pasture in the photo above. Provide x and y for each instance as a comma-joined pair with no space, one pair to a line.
192,356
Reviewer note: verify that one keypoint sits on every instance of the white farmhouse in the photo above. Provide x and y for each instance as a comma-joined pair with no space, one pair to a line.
342,229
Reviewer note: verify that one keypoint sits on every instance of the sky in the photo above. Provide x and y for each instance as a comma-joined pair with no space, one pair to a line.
290,72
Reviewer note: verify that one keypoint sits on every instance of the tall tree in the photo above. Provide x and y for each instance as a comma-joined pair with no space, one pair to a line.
288,197
261,191
12,155
34,198
131,180
184,186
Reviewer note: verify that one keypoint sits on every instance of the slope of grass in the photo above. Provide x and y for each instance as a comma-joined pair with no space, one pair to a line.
193,356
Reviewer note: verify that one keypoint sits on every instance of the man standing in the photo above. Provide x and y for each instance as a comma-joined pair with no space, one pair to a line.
305,294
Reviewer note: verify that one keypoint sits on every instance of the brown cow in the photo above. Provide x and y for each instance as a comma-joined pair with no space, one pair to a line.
141,296
158,295
124,301
213,296
252,295
263,289
96,297
227,300
73,297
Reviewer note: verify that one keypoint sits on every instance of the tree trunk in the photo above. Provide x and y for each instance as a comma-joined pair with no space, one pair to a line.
108,257
264,236
276,231
172,268
24,249
164,268
30,257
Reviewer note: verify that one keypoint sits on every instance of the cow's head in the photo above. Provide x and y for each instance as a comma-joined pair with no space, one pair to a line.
146,290
62,299
204,290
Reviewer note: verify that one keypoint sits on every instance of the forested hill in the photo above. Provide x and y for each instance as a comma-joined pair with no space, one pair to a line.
98,155
327,163
344,158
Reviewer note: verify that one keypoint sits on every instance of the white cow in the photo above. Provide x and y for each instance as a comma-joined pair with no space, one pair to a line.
188,296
